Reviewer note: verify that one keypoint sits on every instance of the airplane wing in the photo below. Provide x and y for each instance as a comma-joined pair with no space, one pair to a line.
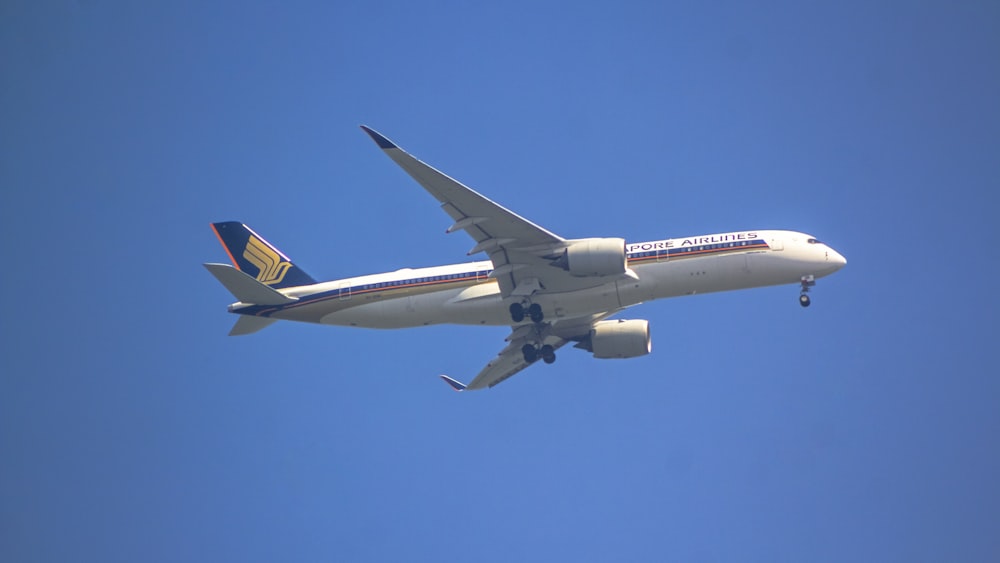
522,252
510,360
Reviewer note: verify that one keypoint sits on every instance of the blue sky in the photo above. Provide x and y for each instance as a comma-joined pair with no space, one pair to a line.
133,429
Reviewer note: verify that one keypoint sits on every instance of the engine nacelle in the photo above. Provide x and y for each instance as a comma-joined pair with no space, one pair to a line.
594,257
620,339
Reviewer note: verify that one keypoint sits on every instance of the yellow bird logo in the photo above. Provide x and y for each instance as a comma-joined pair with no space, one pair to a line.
271,269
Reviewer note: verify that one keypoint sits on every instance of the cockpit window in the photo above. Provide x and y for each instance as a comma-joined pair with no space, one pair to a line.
813,241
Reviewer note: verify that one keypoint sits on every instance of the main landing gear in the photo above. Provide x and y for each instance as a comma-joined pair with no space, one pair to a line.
531,353
535,350
534,312
807,282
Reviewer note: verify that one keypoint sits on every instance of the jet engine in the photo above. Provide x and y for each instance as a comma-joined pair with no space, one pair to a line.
594,257
620,339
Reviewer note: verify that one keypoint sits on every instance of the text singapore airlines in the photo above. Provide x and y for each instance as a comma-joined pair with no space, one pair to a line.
550,290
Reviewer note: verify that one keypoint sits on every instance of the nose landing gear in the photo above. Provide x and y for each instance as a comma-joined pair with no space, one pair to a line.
807,283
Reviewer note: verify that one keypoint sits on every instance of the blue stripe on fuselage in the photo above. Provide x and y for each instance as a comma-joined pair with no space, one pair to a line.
365,289
697,250
368,288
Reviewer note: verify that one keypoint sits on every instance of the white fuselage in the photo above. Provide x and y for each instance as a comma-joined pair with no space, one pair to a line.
466,294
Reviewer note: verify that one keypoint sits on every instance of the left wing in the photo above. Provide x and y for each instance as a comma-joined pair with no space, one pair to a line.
510,360
483,219
522,252
525,260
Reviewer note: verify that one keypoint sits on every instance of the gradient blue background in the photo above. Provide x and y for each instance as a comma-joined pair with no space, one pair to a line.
133,429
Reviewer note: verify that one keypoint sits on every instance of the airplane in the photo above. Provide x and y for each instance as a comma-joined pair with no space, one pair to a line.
549,290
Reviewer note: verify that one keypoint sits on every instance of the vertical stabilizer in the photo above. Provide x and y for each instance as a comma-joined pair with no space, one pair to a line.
256,257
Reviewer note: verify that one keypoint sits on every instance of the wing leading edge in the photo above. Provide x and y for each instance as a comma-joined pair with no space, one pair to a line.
474,213
523,258
520,250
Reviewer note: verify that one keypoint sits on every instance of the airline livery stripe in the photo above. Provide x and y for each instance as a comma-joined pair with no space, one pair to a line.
465,278
225,247
692,251
406,283
364,289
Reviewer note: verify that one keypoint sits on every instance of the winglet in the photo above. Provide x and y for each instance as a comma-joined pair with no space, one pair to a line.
456,385
381,141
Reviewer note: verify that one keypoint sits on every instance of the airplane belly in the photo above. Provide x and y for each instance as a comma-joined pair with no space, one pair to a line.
479,305
724,273
580,303
397,312
708,274
632,292
375,314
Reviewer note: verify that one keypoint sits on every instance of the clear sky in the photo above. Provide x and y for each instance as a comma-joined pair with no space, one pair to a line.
861,429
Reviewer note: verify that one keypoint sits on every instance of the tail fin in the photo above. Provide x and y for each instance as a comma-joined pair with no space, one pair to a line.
255,256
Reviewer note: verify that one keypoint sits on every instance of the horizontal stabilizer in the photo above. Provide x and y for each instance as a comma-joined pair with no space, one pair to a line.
248,324
245,288
456,385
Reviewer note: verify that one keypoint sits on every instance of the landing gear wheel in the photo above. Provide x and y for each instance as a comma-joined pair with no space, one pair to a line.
535,312
530,353
516,312
548,354
807,283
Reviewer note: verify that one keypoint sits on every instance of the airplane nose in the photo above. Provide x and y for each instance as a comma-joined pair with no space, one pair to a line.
837,259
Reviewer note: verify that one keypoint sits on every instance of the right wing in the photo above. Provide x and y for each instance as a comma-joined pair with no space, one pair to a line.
508,363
